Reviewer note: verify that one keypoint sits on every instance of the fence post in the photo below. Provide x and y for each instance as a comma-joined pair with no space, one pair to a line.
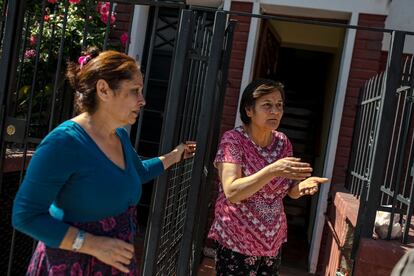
369,199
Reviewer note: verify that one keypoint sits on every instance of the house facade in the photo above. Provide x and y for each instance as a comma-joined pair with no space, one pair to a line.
323,67
323,59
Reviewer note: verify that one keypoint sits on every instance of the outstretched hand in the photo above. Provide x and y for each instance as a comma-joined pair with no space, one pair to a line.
309,186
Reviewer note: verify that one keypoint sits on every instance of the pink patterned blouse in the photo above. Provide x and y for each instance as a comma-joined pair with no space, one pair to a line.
257,225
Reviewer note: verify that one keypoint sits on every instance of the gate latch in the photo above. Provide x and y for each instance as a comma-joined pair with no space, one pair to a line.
14,130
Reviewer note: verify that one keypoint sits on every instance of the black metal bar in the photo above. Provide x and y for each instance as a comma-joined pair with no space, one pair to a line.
410,171
357,151
373,124
170,128
302,20
205,195
388,105
156,3
399,155
202,156
85,27
19,76
59,66
108,24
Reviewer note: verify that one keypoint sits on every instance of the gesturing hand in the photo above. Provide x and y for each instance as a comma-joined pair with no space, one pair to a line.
309,186
291,168
114,252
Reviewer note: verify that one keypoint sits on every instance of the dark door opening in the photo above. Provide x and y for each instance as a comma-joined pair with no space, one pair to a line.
304,74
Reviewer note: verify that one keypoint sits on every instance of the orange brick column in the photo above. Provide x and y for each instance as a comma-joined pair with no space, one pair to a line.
238,55
366,63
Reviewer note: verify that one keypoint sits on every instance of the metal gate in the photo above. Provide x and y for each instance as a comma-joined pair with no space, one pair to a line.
35,36
196,96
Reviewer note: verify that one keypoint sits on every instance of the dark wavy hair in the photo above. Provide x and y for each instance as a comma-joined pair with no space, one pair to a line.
111,66
255,90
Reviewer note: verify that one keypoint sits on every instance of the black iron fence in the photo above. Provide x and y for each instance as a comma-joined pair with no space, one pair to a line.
381,163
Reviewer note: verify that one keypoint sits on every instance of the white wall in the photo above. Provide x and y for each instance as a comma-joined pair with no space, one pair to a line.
360,6
138,30
400,17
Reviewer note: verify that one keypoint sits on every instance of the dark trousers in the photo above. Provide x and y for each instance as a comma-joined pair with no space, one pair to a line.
230,263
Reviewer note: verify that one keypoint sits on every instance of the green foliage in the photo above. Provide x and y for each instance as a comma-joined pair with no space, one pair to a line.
85,26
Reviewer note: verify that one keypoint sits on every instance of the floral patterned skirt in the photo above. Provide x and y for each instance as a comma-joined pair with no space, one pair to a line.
54,261
231,263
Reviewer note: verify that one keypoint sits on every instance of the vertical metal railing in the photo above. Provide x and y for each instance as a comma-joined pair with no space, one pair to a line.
373,139
365,134
397,187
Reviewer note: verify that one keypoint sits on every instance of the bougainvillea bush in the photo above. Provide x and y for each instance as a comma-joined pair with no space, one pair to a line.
86,24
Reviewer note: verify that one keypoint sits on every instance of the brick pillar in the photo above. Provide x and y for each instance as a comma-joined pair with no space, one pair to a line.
124,15
238,55
366,63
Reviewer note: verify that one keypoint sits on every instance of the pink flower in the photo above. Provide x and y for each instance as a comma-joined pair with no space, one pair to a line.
98,6
32,40
104,18
74,1
105,7
108,224
56,269
52,1
82,60
124,38
30,54
76,270
46,17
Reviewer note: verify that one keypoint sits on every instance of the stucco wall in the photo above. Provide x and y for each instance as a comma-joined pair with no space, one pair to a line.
400,17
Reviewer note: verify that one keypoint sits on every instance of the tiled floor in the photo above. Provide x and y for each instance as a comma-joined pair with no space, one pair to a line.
207,269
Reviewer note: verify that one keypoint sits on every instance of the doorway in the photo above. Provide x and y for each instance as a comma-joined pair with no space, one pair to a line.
306,60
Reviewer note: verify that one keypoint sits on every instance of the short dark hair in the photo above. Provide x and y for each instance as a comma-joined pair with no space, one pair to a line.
111,66
255,90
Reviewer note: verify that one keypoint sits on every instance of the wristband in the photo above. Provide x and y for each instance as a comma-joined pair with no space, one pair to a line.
79,240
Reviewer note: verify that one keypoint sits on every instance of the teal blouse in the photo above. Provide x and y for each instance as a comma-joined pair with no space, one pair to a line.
69,179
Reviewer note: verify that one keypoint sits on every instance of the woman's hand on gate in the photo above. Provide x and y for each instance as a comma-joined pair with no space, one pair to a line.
185,150
182,151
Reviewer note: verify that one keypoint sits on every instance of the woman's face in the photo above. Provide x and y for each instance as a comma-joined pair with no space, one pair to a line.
267,111
128,100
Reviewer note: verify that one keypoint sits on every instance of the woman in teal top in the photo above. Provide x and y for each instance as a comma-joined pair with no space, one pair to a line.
84,180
